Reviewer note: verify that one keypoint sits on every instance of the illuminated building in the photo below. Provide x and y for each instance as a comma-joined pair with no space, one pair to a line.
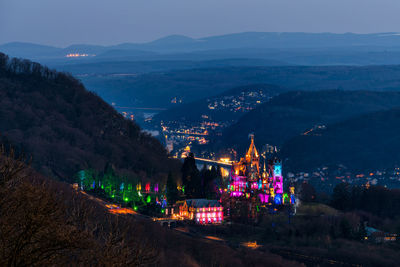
248,179
202,211
77,55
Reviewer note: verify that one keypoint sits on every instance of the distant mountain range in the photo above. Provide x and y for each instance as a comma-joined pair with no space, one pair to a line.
293,48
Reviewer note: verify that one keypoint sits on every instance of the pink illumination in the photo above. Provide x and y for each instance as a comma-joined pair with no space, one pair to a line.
236,194
278,185
264,198
277,176
254,185
210,216
238,183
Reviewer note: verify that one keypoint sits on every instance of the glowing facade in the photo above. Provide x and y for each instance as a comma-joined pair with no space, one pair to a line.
248,179
202,211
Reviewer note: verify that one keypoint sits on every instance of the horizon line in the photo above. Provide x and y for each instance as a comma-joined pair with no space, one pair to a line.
198,38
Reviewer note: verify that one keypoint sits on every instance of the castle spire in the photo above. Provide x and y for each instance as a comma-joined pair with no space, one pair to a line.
265,169
252,152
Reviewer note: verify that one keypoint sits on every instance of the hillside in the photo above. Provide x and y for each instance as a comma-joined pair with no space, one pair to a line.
226,107
367,142
191,85
293,113
47,223
51,116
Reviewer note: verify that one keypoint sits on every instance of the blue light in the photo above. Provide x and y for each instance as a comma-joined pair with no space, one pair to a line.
164,203
278,199
278,170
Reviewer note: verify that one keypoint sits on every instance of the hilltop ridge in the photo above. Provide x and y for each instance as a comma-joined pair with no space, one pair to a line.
292,113
66,128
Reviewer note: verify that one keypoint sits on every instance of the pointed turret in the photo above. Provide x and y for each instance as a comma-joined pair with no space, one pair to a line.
252,152
253,159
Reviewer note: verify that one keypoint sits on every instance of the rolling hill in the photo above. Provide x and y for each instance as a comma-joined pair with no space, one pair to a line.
51,116
368,142
226,107
293,113
159,88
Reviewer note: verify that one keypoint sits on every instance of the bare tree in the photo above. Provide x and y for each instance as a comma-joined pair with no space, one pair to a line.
45,222
13,167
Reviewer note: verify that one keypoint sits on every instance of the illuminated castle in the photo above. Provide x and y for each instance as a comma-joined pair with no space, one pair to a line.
248,179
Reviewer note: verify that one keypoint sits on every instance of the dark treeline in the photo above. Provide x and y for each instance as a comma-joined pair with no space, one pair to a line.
23,66
378,200
66,128
200,184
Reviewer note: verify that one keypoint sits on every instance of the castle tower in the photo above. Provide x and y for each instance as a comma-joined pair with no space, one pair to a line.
260,186
253,159
277,176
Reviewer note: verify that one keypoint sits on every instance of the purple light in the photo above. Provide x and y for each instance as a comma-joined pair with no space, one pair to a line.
264,198
254,185
156,188
236,194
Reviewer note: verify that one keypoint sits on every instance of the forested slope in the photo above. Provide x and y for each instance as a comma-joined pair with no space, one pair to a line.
52,117
293,113
367,142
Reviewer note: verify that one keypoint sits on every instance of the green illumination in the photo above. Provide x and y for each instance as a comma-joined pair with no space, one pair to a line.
116,188
162,211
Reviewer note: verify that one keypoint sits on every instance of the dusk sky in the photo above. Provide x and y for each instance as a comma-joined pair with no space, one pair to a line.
65,22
